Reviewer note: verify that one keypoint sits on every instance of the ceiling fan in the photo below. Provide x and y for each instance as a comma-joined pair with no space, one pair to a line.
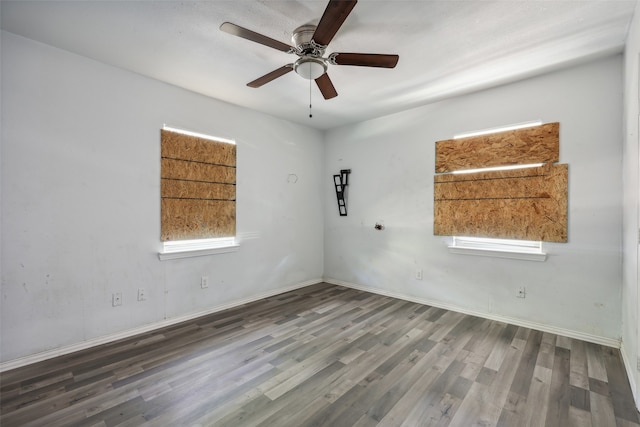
310,44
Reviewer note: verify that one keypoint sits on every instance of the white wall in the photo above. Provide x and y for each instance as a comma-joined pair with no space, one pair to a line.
0,173
630,297
578,288
81,206
80,209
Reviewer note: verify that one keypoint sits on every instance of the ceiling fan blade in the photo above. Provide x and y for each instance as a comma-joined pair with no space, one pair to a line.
326,87
271,76
332,19
365,59
236,30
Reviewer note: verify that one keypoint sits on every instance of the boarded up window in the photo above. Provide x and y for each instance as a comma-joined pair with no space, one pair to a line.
198,187
528,204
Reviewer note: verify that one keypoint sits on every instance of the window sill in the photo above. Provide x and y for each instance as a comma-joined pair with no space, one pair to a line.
526,256
194,253
194,248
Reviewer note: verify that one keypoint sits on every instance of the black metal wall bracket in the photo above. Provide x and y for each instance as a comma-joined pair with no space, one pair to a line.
341,181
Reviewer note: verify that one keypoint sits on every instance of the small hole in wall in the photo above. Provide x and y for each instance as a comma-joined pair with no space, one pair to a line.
292,178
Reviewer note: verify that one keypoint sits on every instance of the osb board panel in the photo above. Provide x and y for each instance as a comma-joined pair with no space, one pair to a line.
490,206
192,171
539,144
197,190
505,219
184,219
524,183
492,175
187,147
197,187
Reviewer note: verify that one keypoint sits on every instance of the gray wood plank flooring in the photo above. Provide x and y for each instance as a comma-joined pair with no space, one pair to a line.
327,355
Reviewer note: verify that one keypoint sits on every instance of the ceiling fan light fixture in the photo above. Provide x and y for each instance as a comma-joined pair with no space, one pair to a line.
310,68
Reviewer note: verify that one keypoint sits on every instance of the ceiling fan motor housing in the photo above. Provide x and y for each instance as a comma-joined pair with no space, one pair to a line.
302,39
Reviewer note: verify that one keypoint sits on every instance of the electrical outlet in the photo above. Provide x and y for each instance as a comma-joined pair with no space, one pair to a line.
142,294
116,299
204,282
522,292
419,274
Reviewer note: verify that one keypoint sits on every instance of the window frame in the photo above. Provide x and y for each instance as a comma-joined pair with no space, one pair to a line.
186,248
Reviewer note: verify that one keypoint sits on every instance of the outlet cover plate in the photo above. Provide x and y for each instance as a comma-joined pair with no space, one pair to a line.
116,299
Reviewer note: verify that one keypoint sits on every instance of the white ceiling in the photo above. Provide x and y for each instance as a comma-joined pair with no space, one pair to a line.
446,48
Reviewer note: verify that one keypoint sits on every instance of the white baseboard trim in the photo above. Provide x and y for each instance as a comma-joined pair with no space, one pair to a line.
609,342
631,369
49,354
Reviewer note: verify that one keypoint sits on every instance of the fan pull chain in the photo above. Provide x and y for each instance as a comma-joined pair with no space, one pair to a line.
310,115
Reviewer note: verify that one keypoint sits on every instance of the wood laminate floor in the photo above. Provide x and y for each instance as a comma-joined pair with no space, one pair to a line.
327,356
